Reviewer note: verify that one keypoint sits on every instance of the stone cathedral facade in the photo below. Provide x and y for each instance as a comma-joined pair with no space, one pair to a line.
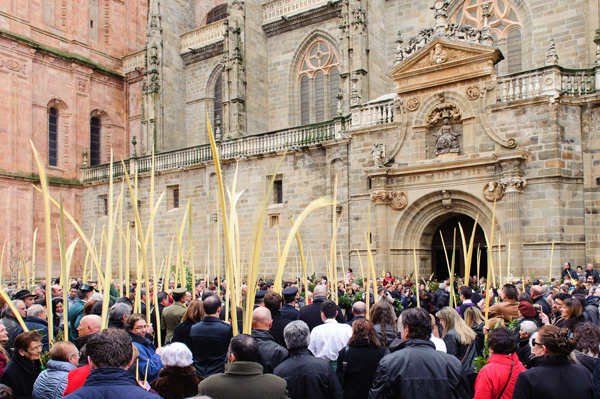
423,114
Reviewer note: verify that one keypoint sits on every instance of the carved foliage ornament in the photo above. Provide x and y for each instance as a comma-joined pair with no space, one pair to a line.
397,199
473,93
493,191
413,104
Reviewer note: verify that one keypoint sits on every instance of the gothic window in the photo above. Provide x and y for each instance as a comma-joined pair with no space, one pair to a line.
218,100
94,141
319,78
506,24
53,137
216,14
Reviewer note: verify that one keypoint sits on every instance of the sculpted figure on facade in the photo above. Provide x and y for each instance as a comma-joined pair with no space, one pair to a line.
399,200
378,152
438,55
446,140
493,191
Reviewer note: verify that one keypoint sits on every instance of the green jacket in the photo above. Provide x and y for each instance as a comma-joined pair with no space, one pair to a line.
244,380
75,313
171,317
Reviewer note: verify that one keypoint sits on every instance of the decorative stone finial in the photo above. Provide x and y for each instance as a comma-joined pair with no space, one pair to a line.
85,158
218,132
340,96
486,30
552,57
355,96
440,8
134,143
399,54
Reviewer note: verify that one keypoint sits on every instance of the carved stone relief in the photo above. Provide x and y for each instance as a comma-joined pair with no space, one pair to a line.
399,200
446,140
473,93
447,199
493,191
412,104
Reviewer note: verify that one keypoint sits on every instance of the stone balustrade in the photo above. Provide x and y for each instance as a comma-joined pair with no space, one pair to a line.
201,37
551,80
243,147
277,9
134,60
377,112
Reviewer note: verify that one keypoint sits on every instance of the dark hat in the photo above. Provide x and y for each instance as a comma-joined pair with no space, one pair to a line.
290,293
260,295
85,287
180,291
527,309
23,294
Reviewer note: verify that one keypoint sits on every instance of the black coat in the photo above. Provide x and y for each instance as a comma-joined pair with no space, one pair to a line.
271,353
311,314
278,326
441,299
111,383
182,333
524,350
309,377
546,308
569,274
20,375
156,326
351,322
356,367
594,274
210,342
555,378
401,374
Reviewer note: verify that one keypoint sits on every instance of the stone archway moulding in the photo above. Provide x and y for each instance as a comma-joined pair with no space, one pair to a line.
422,218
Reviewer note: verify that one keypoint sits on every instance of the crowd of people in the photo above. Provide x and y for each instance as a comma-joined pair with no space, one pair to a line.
399,339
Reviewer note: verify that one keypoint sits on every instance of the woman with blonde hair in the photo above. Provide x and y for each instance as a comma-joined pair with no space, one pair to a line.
193,314
460,341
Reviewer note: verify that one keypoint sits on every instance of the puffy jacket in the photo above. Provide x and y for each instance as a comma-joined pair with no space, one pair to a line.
147,356
51,383
441,298
271,353
111,383
493,377
417,370
309,377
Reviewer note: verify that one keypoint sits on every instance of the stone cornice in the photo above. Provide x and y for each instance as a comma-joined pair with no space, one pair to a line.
203,53
310,17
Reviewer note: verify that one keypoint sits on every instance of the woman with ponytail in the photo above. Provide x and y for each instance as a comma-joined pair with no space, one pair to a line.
556,376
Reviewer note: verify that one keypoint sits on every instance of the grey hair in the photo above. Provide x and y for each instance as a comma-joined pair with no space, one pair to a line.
119,310
177,355
16,303
528,327
96,297
296,335
442,286
35,310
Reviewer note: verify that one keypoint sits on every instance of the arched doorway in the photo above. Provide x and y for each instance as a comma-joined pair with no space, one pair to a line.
439,266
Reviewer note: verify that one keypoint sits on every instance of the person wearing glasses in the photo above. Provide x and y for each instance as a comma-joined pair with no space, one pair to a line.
556,376
51,383
149,360
24,368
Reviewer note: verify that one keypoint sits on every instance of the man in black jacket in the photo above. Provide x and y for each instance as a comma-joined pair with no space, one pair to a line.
210,339
591,272
271,353
538,299
307,376
568,273
311,314
416,369
441,297
273,303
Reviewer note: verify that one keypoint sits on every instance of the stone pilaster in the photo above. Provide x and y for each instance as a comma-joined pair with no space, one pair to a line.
152,127
513,184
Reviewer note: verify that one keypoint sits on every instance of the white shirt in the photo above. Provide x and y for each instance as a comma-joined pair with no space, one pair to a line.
439,343
328,339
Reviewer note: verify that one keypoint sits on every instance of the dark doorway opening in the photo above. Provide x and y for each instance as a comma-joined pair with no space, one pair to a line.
440,266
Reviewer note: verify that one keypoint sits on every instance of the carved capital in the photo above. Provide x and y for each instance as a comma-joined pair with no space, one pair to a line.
513,184
397,199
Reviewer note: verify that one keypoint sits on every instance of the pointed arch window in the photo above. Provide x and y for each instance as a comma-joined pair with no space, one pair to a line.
218,100
319,79
94,141
506,24
53,137
216,14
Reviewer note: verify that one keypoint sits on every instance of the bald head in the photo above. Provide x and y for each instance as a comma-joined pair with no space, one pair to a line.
261,318
536,291
320,290
89,325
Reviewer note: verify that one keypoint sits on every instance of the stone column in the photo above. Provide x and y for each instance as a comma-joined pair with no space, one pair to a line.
513,184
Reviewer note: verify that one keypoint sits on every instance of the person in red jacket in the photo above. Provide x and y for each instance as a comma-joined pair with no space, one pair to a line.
497,378
76,378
